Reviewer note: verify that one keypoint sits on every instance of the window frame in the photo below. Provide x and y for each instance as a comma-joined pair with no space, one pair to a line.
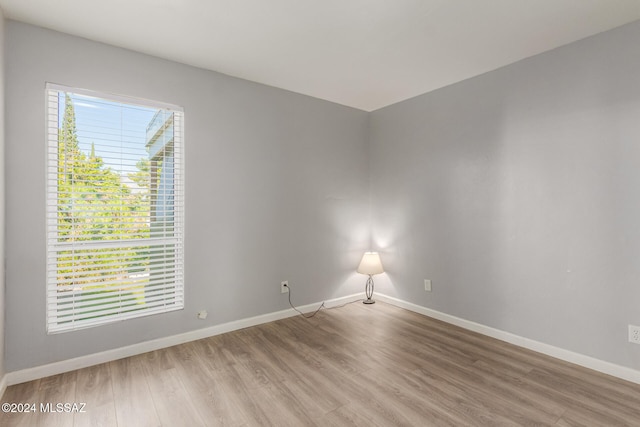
173,245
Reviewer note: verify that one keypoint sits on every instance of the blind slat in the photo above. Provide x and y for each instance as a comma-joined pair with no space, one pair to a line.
97,303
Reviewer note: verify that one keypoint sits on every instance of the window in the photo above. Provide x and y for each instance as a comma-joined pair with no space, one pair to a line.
115,208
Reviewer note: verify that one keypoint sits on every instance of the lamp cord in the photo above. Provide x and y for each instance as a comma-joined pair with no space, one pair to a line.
309,316
306,316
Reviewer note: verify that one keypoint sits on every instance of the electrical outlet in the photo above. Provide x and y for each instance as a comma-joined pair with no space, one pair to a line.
427,285
634,334
284,287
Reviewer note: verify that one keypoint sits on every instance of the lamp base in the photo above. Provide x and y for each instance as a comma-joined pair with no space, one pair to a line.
368,301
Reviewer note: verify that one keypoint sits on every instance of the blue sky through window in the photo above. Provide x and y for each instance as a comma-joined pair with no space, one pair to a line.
116,130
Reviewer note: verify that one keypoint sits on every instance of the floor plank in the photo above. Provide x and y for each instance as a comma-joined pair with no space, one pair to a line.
131,394
95,395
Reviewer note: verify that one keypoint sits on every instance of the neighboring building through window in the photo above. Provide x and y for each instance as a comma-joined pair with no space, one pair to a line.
115,208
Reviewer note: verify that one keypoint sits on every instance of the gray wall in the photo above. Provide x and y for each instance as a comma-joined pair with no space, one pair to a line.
276,187
2,204
518,193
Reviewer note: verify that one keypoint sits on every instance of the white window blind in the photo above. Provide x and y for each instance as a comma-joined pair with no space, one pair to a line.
115,208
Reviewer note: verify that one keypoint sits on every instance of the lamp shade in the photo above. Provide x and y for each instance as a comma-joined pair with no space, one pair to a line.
370,264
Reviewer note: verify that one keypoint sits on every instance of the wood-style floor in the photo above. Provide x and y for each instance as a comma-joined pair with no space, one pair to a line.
355,365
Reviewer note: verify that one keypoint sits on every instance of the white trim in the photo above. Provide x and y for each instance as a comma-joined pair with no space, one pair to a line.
3,385
114,97
55,368
589,362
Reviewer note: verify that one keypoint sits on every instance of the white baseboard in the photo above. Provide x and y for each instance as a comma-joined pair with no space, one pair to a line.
30,374
3,385
618,371
37,372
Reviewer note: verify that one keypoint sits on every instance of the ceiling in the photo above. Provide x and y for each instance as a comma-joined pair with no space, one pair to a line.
361,53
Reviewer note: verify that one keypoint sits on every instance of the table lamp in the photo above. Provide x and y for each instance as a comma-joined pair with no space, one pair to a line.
370,264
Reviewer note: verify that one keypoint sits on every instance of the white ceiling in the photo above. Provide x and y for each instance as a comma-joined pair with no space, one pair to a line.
362,53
